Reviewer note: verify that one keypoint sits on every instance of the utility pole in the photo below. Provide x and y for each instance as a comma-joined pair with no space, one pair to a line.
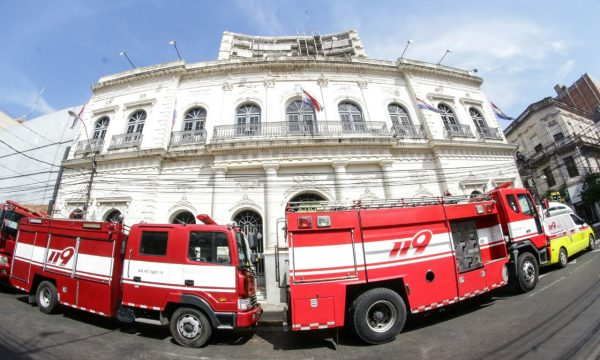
93,170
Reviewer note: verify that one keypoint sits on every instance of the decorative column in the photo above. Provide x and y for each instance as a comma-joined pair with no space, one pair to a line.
342,182
390,188
272,199
219,192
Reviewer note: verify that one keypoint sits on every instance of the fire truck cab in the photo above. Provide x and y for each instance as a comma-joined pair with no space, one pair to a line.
195,278
368,263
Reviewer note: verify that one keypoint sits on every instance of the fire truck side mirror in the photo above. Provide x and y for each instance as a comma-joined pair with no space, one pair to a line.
252,241
253,258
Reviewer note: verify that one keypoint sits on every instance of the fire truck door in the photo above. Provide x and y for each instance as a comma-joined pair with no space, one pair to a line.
23,256
469,265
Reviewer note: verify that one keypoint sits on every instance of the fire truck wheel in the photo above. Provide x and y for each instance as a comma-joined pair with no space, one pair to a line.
527,272
563,258
592,243
190,327
378,315
46,297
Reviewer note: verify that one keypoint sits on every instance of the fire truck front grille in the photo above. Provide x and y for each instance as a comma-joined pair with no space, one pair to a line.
253,301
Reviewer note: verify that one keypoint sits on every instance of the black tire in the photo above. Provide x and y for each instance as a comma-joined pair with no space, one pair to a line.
592,245
527,272
190,327
46,297
378,315
563,258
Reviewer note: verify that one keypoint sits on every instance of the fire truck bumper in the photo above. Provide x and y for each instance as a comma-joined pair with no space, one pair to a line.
248,318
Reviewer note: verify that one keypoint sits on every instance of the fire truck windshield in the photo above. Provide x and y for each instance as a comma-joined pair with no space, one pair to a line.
10,221
243,252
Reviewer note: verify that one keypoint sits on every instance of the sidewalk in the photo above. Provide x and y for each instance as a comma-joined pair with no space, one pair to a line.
272,315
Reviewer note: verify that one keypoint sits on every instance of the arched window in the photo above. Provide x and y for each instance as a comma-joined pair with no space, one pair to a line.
447,115
136,122
307,197
76,214
113,216
475,193
194,119
399,115
184,217
477,118
250,222
247,119
300,117
100,127
352,118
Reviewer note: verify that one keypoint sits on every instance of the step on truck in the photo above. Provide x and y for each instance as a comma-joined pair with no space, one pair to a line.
10,214
367,264
195,278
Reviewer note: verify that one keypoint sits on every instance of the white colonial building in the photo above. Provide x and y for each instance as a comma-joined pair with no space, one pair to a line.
232,138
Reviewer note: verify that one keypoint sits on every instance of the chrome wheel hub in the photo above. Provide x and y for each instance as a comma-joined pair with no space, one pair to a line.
189,326
381,316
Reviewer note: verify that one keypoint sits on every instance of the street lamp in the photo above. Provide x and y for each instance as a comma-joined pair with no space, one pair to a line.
174,43
408,42
93,172
443,56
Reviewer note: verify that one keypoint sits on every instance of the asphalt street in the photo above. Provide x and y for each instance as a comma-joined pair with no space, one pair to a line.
560,319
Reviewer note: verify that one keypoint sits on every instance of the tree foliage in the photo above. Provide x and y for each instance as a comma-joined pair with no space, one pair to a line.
590,191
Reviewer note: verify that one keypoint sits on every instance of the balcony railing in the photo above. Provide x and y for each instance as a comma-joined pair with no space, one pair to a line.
458,130
489,133
88,146
287,129
125,140
408,131
188,137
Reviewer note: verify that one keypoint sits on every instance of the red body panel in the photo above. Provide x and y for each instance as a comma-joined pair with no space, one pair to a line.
85,264
409,246
11,213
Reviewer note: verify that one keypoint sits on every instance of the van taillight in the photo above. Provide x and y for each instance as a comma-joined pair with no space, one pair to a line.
304,222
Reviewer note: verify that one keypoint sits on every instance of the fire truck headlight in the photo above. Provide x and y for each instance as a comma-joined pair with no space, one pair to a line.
4,260
244,304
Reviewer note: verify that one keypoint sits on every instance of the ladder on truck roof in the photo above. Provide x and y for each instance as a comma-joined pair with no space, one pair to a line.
315,206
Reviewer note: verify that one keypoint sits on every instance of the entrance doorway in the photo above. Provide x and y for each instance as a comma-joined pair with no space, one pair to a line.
250,222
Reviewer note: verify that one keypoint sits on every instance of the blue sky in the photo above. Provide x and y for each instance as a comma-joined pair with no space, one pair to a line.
521,48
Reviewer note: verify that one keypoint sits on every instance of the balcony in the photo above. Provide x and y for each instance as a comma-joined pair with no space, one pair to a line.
458,130
489,133
188,137
125,140
271,130
88,146
408,131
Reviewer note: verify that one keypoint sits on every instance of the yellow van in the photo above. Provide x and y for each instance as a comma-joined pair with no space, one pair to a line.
568,235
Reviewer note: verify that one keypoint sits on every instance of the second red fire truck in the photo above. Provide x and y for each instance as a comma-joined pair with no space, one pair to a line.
195,278
368,264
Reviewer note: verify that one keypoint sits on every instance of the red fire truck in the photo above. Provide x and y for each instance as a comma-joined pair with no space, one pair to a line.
193,277
10,214
369,263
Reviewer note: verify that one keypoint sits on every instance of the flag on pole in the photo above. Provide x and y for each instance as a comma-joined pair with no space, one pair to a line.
425,106
309,99
500,114
78,116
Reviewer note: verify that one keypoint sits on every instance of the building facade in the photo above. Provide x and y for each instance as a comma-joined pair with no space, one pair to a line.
560,145
238,138
583,94
29,177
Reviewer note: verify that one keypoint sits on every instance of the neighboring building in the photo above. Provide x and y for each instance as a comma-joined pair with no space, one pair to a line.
584,95
560,144
233,138
45,139
6,120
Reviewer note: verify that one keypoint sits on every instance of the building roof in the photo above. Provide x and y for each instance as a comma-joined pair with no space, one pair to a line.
537,106
583,94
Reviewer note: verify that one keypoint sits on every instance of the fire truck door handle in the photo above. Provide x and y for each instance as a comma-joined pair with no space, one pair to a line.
189,283
137,279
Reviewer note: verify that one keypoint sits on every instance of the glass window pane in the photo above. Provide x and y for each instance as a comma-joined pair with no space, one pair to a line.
153,243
